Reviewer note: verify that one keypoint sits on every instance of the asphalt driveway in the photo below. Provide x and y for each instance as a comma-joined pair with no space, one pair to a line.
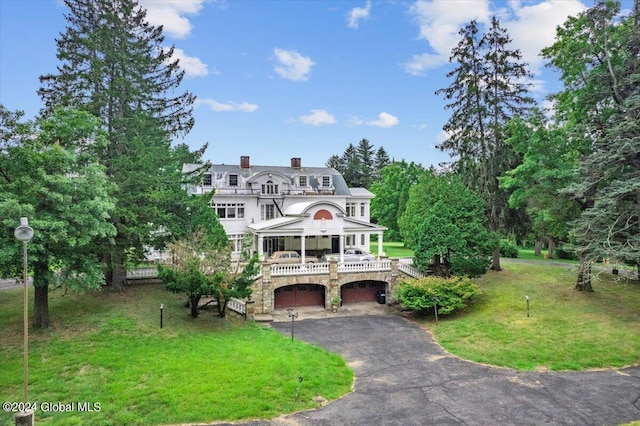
404,378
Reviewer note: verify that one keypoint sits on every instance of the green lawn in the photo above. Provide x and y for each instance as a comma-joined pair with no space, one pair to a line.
529,254
108,348
566,329
392,249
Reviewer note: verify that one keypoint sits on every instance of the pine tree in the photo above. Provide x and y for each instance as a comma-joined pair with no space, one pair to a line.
335,162
598,54
381,161
352,172
114,65
366,163
486,92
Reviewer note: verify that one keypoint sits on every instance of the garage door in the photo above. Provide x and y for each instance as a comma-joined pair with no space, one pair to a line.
361,291
299,295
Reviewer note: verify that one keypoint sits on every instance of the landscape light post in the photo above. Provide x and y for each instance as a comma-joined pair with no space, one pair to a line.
161,308
527,299
293,316
435,307
24,233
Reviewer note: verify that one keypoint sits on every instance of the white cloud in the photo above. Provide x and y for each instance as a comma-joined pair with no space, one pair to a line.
317,118
531,26
192,66
228,106
170,14
357,14
439,23
384,120
293,66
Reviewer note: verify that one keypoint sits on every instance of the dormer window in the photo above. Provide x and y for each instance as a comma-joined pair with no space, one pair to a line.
270,188
326,181
302,181
207,179
233,180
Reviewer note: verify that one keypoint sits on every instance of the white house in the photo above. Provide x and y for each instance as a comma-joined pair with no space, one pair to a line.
307,209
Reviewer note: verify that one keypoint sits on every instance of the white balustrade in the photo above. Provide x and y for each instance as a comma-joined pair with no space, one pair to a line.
237,305
300,269
410,270
381,265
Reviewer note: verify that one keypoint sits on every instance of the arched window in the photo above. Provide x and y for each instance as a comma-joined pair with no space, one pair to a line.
270,188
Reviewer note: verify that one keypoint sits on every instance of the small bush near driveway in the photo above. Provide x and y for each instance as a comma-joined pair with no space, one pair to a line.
450,294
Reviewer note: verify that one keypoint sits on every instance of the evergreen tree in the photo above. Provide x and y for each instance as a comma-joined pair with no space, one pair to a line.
335,162
366,163
486,92
114,65
358,165
352,171
381,161
598,54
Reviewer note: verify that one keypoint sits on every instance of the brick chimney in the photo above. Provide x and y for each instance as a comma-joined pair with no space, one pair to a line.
244,162
296,163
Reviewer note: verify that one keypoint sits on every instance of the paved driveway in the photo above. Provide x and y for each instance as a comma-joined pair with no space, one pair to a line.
404,378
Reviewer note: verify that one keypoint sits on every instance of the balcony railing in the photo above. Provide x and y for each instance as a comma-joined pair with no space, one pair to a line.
300,269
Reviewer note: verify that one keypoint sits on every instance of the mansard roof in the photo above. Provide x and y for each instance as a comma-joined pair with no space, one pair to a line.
314,174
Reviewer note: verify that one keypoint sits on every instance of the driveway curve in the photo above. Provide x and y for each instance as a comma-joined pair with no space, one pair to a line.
404,378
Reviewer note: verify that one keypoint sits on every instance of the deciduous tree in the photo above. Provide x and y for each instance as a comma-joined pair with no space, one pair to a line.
49,174
391,195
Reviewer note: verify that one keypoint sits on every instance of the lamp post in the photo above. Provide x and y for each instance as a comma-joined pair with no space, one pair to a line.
293,316
24,233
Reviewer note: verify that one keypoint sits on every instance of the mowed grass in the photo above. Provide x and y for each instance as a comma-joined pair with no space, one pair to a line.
566,329
392,249
108,348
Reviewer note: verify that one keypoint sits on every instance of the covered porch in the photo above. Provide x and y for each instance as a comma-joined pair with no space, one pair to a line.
314,229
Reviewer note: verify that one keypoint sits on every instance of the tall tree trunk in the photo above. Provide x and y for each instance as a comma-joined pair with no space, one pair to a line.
550,248
194,301
538,247
494,225
584,275
41,296
495,260
116,272
440,267
119,278
222,308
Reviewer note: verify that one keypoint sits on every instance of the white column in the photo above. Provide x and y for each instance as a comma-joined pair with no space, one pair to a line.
303,247
380,244
341,248
260,246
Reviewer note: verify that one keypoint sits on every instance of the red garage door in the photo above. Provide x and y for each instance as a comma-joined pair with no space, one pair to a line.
299,295
361,291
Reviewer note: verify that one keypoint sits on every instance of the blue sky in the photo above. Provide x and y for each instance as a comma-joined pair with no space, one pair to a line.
300,78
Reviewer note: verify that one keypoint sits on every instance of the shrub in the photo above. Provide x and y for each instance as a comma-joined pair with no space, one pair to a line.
508,248
469,266
450,294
